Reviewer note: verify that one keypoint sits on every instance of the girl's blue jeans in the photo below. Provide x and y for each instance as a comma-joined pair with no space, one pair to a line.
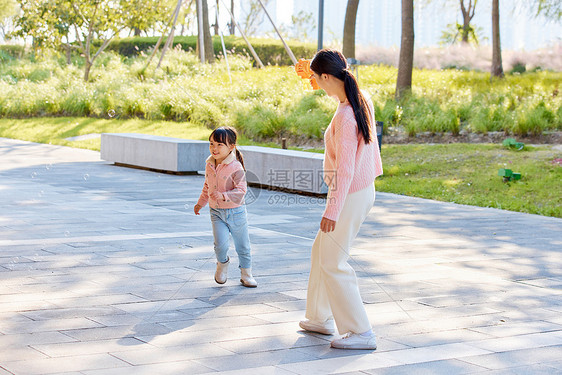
232,221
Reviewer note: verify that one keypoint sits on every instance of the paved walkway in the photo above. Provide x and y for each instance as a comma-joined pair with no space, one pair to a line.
106,270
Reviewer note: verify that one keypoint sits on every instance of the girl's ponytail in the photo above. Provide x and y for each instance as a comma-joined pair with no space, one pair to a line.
239,157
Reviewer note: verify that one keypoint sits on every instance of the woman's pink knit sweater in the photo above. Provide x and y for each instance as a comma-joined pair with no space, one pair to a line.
350,165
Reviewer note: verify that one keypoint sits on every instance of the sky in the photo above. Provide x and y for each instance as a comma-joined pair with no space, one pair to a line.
378,22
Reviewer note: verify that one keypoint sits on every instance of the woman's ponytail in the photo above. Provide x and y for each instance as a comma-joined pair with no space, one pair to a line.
329,61
359,104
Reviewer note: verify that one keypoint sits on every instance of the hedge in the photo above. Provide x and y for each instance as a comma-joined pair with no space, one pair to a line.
8,50
270,51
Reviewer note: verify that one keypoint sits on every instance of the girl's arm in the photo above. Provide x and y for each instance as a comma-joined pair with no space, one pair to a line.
204,197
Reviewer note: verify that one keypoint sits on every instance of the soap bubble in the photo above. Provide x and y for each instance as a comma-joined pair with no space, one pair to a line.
86,177
111,113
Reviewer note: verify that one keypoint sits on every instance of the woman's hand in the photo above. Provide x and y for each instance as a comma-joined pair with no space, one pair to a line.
327,225
217,196
196,209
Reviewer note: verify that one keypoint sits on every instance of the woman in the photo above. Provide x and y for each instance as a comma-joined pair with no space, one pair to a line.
351,164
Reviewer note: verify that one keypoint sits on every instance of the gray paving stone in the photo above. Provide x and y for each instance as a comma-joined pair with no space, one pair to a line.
341,364
278,357
440,338
105,333
525,370
64,364
452,366
272,343
263,370
98,259
88,347
144,356
517,358
168,368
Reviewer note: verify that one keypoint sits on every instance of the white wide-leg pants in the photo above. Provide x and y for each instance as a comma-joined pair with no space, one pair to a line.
332,285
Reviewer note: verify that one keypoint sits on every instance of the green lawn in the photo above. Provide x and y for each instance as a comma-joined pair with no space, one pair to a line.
460,173
55,130
467,174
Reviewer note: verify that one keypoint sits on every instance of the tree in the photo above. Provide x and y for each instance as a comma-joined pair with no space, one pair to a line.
467,15
453,34
550,9
349,28
497,68
406,60
8,9
51,21
301,24
466,31
153,12
46,22
253,17
231,26
208,42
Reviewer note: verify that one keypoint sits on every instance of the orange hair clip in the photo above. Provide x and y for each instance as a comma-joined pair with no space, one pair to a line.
303,70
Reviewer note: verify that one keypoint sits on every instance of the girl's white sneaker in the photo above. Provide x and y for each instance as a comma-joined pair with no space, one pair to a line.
355,341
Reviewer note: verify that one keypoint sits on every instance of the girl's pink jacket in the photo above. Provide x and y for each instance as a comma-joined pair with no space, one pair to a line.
228,178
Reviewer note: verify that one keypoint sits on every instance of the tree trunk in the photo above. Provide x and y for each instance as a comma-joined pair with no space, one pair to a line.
497,68
68,47
406,62
216,25
87,67
349,28
137,31
209,51
467,15
465,29
232,26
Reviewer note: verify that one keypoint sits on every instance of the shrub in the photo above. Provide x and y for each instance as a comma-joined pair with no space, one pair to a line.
390,114
206,113
270,102
308,117
518,68
5,57
261,121
8,51
534,121
270,51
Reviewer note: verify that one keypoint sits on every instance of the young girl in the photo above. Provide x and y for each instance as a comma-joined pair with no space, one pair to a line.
351,163
224,189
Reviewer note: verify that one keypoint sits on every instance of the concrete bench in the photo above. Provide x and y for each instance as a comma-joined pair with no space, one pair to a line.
297,171
155,152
